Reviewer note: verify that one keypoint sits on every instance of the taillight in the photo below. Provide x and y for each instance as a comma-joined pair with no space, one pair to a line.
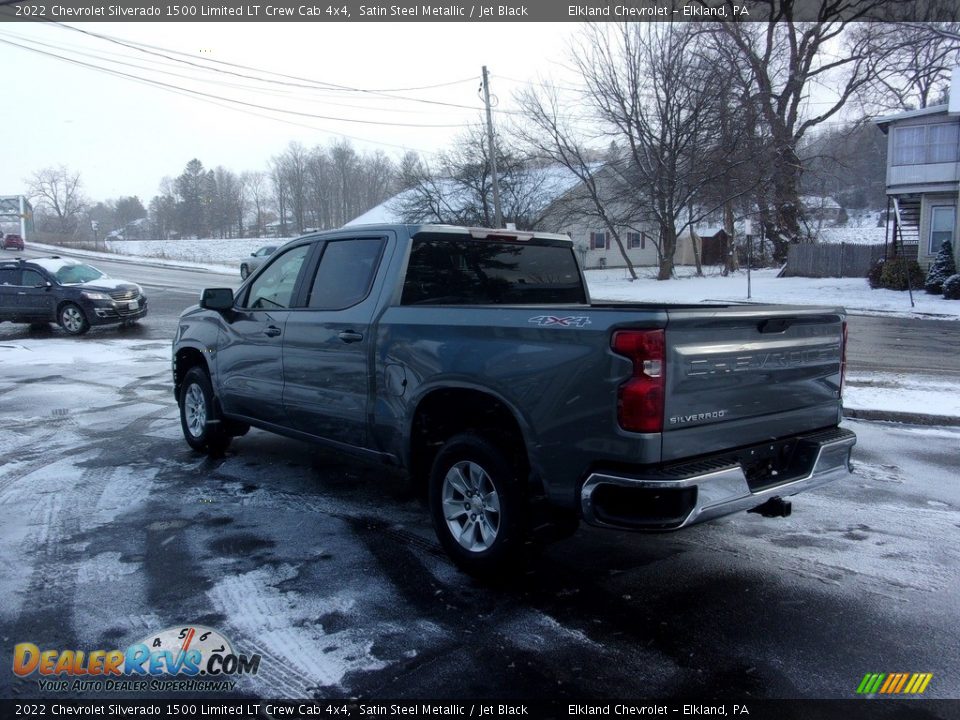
843,356
640,399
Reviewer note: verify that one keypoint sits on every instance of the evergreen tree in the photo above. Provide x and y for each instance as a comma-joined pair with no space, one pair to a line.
941,268
191,193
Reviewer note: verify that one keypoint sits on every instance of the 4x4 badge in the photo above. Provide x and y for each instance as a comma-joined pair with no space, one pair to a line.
572,321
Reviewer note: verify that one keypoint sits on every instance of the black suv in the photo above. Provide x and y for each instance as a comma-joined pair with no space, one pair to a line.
67,292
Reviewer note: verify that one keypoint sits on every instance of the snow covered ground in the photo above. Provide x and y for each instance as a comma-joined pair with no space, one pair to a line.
208,251
853,235
887,392
852,293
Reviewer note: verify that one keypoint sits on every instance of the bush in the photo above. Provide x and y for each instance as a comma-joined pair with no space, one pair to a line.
951,287
941,268
873,274
895,273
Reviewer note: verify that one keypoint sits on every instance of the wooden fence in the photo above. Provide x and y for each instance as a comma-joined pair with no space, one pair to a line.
835,260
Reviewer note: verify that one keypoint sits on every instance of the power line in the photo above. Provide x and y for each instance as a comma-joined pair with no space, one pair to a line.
148,68
160,84
311,83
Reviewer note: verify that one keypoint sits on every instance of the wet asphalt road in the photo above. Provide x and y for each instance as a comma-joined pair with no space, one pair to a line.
111,528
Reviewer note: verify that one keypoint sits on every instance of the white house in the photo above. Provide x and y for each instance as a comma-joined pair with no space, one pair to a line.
923,175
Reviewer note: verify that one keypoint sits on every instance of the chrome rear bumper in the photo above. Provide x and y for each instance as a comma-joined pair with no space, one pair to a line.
708,495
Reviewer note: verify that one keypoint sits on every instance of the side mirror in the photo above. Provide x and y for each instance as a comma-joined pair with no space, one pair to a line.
44,285
253,254
218,299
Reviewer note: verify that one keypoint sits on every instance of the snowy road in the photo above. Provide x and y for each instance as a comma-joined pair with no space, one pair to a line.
110,529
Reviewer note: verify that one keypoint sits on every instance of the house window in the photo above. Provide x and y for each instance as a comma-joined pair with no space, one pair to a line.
942,220
634,240
925,144
598,241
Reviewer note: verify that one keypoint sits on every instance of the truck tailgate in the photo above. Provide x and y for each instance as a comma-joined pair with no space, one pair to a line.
737,376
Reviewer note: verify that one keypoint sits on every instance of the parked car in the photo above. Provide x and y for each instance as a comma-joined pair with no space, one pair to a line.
475,360
12,241
71,293
256,259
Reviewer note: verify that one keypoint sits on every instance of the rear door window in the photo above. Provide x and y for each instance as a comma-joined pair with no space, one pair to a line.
31,278
9,276
468,272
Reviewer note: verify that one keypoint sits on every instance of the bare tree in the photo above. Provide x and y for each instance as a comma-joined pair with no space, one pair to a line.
458,188
57,194
654,90
780,60
226,202
281,191
255,188
917,72
321,191
293,163
163,215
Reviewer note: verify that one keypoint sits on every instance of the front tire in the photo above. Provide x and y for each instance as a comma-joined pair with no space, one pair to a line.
478,506
72,319
202,429
244,271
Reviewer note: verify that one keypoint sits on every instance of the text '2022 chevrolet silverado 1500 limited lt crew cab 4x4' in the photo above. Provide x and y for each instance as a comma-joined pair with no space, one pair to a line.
475,360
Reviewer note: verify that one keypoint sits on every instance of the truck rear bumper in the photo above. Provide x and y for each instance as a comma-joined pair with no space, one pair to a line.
690,493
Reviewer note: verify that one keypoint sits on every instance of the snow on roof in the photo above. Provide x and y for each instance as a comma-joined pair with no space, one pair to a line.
817,202
54,264
552,182
884,120
386,213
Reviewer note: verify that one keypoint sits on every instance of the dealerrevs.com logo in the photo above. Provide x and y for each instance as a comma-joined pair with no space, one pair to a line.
188,658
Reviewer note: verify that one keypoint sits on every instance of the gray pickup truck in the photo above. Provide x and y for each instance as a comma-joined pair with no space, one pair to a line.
475,360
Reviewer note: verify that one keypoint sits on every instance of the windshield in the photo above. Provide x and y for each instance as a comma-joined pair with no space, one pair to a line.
74,274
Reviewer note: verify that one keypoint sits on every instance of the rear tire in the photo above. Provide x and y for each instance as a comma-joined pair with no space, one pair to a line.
478,506
197,410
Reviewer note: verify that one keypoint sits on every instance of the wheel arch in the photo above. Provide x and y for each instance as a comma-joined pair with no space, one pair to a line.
443,412
69,301
184,359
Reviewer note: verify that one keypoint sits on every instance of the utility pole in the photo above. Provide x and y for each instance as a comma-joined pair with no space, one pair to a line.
493,152
747,231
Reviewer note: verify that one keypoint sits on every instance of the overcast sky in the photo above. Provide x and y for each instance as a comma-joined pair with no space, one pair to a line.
124,136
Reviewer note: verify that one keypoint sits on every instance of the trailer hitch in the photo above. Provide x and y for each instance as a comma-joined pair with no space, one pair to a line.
774,507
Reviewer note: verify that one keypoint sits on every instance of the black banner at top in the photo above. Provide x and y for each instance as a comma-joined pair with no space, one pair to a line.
477,10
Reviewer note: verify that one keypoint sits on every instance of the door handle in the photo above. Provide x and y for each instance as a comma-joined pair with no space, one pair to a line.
349,336
21,293
271,331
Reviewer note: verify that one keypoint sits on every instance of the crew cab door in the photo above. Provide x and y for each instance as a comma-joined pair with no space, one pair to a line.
327,345
250,346
9,286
